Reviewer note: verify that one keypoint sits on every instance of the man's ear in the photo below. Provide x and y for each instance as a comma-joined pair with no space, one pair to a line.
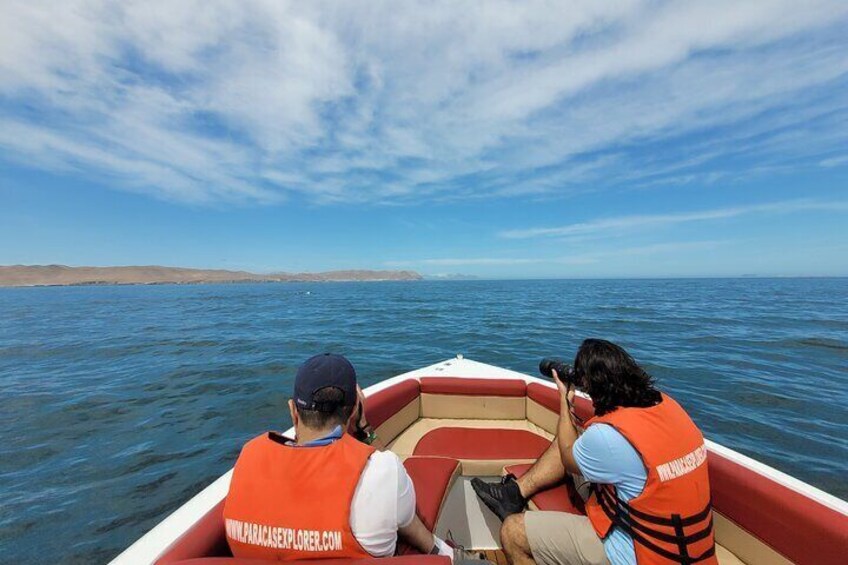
293,412
357,413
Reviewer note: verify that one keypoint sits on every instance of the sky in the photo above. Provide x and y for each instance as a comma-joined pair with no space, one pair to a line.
496,139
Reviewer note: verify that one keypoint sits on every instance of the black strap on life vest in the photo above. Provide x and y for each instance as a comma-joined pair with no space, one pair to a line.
629,519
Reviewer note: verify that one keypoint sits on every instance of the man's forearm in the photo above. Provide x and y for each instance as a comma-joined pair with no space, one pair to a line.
418,536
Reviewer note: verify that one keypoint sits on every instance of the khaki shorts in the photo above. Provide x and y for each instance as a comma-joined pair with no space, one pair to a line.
559,538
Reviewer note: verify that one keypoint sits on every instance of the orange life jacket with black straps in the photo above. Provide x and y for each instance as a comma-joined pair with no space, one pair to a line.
288,502
671,520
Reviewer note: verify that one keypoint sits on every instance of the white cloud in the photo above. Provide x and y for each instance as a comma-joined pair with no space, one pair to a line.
572,260
490,261
385,102
833,161
619,224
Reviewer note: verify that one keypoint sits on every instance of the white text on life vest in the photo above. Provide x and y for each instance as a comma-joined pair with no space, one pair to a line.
283,538
682,465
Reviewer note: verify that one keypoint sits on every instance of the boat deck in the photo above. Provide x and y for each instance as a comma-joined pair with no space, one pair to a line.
459,419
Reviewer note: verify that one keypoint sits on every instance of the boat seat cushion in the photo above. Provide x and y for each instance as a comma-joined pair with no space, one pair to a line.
407,443
450,397
382,405
481,443
764,521
545,399
391,410
206,537
561,498
432,477
473,387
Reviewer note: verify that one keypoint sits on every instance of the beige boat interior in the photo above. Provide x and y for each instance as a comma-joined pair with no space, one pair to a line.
451,429
467,520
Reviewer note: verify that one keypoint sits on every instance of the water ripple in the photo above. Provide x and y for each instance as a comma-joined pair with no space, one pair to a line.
117,404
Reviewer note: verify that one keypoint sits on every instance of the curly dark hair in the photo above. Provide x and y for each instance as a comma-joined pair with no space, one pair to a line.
612,377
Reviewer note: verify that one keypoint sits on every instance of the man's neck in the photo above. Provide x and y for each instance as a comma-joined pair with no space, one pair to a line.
305,435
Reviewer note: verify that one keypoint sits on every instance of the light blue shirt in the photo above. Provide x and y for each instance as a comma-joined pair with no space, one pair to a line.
321,441
603,455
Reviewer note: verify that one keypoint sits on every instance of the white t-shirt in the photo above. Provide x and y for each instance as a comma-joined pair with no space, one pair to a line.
383,502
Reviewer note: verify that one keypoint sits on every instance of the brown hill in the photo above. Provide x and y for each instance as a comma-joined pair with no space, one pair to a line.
60,275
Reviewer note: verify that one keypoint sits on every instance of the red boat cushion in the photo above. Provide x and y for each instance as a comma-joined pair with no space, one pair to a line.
206,537
401,560
473,387
549,398
561,498
801,529
384,404
432,477
482,443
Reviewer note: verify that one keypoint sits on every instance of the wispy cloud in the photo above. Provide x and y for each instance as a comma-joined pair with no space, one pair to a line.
620,224
834,161
573,260
490,261
379,102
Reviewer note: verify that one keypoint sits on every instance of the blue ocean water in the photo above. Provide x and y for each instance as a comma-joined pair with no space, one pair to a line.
117,404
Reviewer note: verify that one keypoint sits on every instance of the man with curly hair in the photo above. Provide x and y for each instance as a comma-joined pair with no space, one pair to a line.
644,461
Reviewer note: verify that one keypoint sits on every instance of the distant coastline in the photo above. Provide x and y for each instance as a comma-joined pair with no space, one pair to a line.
61,275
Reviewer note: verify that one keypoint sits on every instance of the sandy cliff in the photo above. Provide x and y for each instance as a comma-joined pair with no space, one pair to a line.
49,275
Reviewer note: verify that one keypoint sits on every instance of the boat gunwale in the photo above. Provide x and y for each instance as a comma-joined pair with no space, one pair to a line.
162,537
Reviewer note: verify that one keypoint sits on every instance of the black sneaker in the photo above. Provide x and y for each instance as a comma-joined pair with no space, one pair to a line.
502,498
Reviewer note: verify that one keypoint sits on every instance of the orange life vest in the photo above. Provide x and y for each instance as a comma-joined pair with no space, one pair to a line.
288,502
671,520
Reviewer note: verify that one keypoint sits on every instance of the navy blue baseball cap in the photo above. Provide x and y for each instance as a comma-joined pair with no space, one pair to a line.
321,371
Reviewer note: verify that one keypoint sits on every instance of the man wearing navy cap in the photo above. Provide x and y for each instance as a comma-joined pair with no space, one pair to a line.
323,494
